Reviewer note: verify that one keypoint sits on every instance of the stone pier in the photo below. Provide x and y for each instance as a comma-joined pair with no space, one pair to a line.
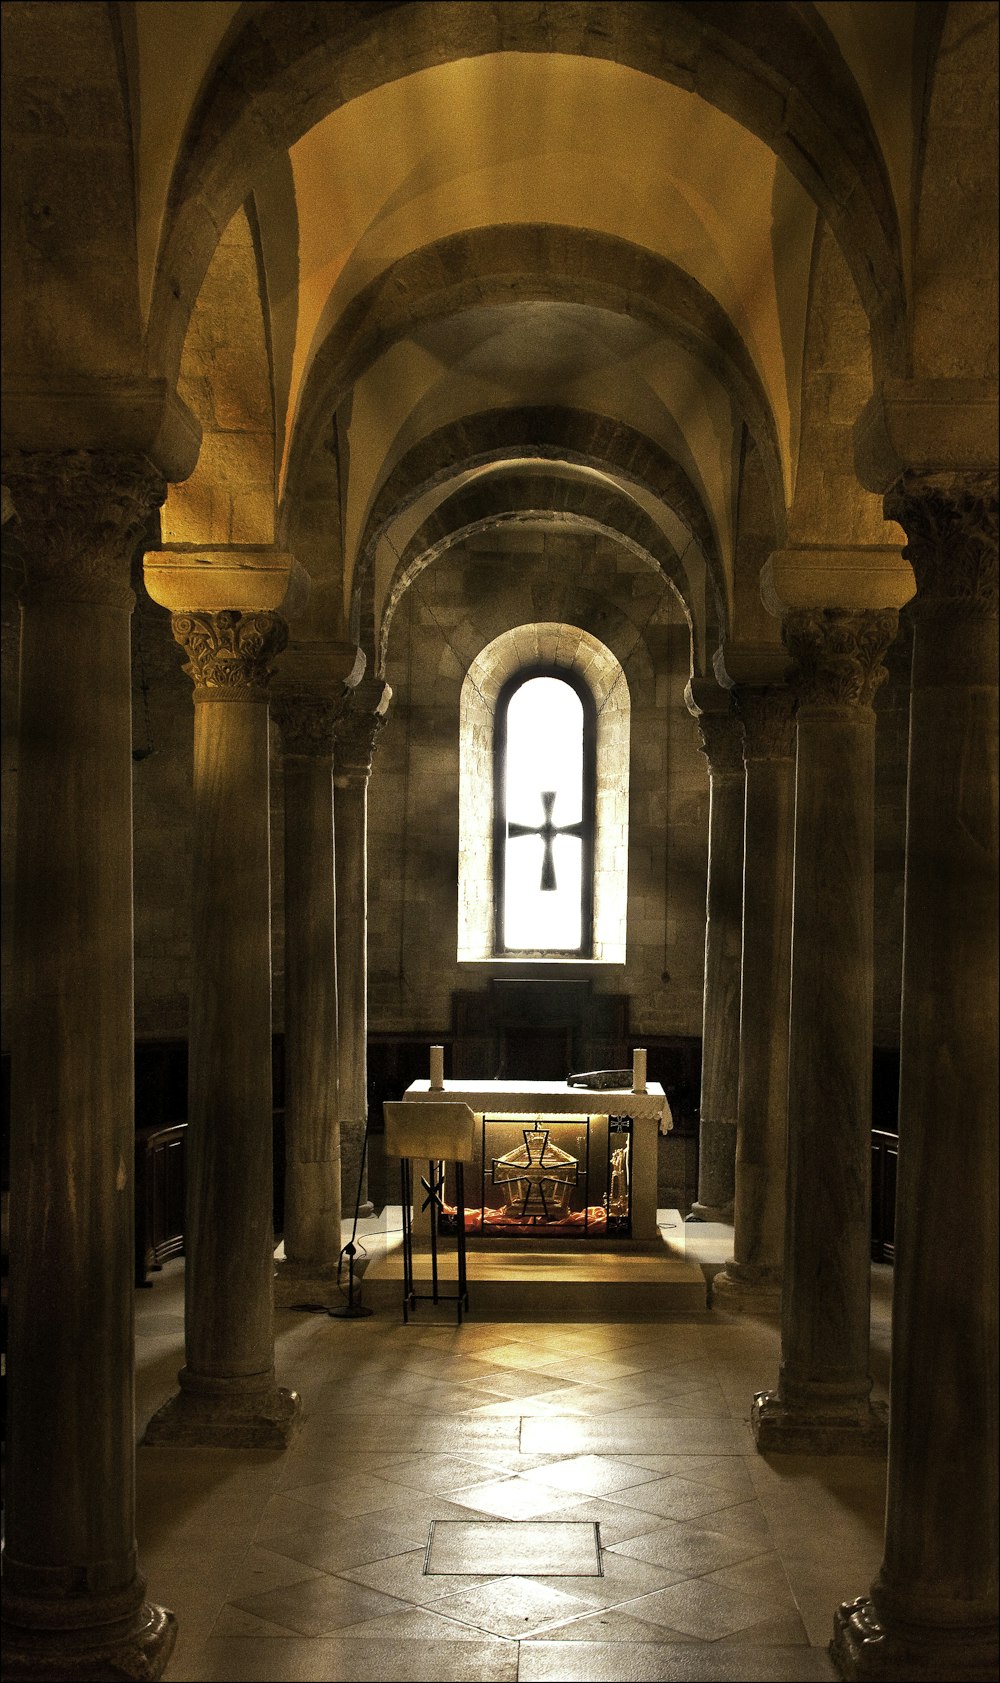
932,1610
721,737
753,1279
74,1600
822,1402
356,735
228,1395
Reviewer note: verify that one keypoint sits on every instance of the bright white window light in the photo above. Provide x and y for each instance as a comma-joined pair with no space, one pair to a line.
543,794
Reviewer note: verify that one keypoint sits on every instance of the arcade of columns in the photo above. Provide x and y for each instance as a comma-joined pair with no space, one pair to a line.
791,1089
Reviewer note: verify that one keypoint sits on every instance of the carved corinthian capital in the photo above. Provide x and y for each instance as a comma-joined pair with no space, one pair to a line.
838,655
230,654
81,514
768,719
307,724
950,521
722,744
356,734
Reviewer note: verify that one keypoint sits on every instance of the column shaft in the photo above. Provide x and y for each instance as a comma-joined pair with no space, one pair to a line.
753,1279
822,1403
228,1396
312,1123
351,807
720,1044
73,1599
933,1607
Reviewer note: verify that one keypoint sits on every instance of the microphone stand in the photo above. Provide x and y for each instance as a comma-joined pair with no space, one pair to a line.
353,1310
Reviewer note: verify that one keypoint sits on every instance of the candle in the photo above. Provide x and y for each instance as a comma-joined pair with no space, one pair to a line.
437,1066
639,1069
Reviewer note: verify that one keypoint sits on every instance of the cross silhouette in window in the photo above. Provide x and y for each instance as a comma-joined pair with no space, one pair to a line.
548,831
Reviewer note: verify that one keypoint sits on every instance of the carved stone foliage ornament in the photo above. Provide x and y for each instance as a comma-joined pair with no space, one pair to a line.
81,514
356,734
950,521
768,719
307,724
838,655
721,743
230,654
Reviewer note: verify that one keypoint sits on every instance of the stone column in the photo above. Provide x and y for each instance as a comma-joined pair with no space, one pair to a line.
74,1602
822,1403
228,1396
720,1041
312,1121
932,1612
752,1280
356,735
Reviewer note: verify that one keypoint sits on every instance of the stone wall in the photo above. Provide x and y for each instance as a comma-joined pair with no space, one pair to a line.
453,610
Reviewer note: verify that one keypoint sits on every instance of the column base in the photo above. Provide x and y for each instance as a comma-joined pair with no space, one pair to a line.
306,1282
864,1647
134,1648
223,1415
746,1288
711,1212
780,1430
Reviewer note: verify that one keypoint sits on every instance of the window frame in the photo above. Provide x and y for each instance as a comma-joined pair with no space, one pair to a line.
516,681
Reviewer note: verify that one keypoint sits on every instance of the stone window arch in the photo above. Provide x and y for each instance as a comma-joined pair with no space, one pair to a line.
498,672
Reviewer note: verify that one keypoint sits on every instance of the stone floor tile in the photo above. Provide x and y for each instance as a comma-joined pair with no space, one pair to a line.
262,1570
337,1543
728,1472
617,1523
403,1576
675,1498
654,1433
512,1607
688,1548
440,1473
591,1475
348,1497
700,1608
337,1660
320,1605
533,1548
542,1661
415,1624
514,1498
609,1624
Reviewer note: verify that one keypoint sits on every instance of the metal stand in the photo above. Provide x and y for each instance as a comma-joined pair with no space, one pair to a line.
353,1309
434,1187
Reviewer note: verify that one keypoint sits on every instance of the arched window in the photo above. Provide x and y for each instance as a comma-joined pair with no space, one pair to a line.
590,678
544,814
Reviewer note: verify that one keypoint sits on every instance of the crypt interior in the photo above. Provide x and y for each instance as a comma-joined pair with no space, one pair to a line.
500,556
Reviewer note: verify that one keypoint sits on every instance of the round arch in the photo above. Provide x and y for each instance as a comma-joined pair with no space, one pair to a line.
501,499
531,263
291,66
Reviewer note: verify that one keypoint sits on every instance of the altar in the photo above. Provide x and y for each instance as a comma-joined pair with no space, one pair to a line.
553,1161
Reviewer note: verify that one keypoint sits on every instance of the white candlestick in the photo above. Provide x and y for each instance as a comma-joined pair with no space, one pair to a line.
639,1069
437,1067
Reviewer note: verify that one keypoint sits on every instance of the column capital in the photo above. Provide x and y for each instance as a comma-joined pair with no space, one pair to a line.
358,730
82,513
230,654
307,723
722,743
838,655
950,520
768,719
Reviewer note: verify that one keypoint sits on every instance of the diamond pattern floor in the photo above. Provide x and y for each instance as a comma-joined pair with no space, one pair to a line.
716,1563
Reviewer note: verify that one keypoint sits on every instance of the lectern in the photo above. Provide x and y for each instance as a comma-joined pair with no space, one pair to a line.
442,1134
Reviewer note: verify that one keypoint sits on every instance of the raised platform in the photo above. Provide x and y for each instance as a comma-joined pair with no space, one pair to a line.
548,1280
